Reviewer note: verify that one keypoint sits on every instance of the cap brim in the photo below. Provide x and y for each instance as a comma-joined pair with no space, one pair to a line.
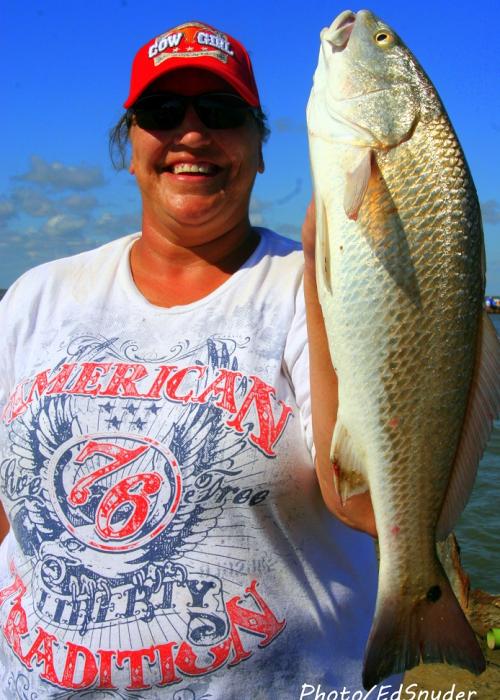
207,64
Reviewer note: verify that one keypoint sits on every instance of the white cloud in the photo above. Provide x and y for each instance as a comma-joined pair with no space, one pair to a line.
490,211
285,125
114,225
256,220
53,215
63,224
30,201
79,203
9,239
62,177
257,207
7,209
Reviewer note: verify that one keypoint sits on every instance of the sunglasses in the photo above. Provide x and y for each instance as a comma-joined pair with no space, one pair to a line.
216,110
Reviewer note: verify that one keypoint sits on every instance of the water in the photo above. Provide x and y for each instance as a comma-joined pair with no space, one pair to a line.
478,531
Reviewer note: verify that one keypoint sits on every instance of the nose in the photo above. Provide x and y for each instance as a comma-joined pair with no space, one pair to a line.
192,131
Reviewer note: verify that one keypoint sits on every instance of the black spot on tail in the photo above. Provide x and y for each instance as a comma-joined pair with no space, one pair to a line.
432,629
433,594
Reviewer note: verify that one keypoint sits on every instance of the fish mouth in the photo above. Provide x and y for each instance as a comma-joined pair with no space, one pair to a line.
339,33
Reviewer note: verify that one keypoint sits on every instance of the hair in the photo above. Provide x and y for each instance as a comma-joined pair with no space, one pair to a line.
119,140
119,136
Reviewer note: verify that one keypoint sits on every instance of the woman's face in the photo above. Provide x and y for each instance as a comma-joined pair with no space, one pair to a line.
195,182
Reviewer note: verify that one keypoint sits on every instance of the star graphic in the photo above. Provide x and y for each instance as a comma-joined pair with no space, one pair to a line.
190,48
139,423
114,422
108,407
153,408
176,49
132,409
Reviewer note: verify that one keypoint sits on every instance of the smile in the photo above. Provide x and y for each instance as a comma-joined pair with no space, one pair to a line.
193,169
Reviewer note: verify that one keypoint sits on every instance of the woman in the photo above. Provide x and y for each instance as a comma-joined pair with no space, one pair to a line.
168,537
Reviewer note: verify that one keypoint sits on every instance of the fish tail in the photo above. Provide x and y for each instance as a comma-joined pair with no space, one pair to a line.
430,629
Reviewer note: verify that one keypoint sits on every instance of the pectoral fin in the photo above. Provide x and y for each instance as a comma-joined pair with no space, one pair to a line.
323,258
482,409
357,179
348,465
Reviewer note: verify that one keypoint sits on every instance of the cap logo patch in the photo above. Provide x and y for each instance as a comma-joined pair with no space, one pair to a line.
217,40
167,41
191,53
214,45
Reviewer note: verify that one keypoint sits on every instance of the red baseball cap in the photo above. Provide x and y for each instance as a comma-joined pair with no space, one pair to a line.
194,45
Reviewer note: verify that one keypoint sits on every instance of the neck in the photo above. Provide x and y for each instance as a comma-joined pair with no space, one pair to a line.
169,272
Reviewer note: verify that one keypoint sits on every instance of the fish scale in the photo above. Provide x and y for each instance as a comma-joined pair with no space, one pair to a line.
401,283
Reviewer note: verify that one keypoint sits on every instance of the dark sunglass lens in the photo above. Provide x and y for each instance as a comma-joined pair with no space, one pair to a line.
216,111
221,111
160,113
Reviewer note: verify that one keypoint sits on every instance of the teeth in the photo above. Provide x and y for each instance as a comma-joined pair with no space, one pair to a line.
205,168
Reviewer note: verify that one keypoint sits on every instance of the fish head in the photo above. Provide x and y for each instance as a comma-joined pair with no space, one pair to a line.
368,81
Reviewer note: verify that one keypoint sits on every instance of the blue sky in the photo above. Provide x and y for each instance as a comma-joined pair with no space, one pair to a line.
66,75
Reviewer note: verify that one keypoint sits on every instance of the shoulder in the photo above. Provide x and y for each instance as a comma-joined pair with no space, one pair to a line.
55,277
64,267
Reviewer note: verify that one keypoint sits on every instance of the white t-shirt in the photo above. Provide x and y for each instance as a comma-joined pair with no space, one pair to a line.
168,535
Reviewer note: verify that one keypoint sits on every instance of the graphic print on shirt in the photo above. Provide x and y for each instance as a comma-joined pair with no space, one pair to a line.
19,687
122,484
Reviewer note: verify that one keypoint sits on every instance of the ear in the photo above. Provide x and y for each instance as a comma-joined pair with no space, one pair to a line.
262,165
131,166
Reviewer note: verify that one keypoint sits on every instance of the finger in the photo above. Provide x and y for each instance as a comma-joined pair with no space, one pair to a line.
310,212
309,231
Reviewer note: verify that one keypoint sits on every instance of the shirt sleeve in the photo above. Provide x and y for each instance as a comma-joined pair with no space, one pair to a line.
5,352
15,312
296,358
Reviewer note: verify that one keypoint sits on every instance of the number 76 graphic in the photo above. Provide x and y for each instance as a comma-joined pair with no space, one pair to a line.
135,508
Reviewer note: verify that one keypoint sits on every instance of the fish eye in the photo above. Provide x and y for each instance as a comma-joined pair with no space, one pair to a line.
384,38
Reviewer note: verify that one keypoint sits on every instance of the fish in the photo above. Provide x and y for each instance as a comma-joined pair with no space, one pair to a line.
400,270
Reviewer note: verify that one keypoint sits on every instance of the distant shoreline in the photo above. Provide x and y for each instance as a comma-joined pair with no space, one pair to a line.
489,309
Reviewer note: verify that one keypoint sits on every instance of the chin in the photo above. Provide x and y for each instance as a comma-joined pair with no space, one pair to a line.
197,207
195,216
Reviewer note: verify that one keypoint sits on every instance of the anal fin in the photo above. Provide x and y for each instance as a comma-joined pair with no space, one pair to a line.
348,464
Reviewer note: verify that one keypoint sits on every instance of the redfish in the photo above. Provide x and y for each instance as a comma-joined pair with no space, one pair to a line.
400,271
